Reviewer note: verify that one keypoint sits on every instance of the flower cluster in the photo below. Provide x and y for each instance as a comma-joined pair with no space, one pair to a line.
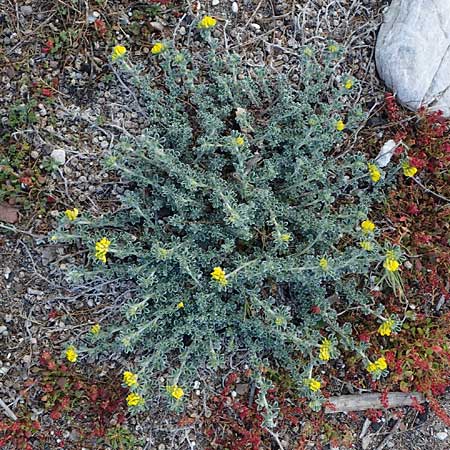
207,22
340,125
367,226
101,249
218,275
375,368
385,329
71,354
134,399
130,379
325,348
118,52
374,172
323,263
366,245
157,48
348,84
391,263
239,141
408,169
71,214
313,384
175,391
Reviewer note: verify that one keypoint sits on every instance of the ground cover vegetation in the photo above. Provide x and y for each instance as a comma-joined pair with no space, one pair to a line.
249,232
240,230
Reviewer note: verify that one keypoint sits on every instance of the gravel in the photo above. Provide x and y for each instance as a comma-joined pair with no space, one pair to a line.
77,129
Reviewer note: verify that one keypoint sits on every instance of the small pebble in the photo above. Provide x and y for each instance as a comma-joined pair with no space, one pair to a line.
26,10
442,435
59,155
234,8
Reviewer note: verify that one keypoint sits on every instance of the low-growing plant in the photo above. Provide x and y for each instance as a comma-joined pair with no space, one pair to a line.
20,178
240,230
17,434
22,114
236,423
94,411
419,207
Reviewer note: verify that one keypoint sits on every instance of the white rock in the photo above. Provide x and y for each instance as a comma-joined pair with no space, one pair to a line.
442,435
413,52
234,8
215,2
59,155
26,10
158,26
386,152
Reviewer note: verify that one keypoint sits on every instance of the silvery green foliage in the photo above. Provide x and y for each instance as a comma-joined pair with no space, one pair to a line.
266,212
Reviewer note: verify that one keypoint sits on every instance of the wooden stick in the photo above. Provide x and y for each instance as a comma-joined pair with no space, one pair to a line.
389,436
361,402
8,410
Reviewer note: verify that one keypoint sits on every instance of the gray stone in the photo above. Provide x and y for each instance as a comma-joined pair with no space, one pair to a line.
59,155
413,53
442,435
26,10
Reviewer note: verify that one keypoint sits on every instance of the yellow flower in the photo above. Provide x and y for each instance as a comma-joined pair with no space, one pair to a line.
71,354
239,141
340,125
385,329
101,248
175,391
367,226
313,384
134,399
95,329
408,170
219,275
130,379
158,48
381,363
279,321
180,305
391,264
325,347
207,22
308,52
348,84
118,52
366,245
333,48
323,263
285,237
374,172
71,214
